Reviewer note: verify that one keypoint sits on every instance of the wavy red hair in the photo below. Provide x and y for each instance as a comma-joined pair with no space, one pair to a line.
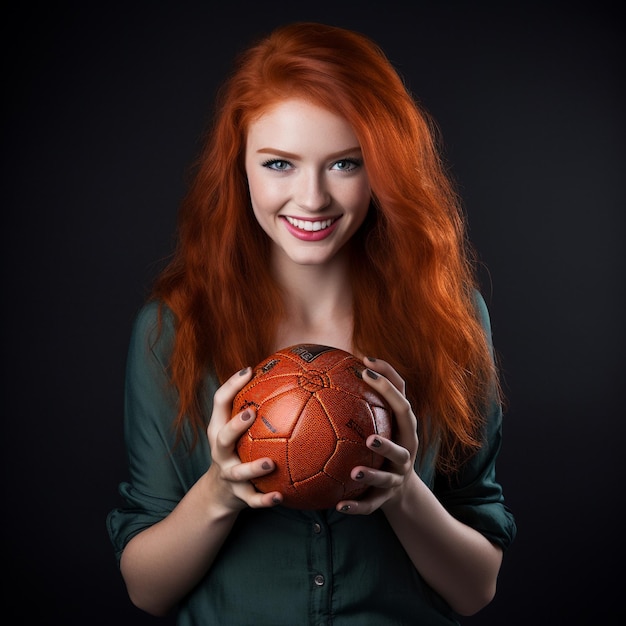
413,271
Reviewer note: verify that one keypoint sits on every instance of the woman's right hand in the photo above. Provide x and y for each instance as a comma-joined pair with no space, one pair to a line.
228,475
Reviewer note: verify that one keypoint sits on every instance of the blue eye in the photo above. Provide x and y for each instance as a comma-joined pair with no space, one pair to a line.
347,165
277,164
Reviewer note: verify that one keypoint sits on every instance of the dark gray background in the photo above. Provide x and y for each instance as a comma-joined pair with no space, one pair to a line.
104,105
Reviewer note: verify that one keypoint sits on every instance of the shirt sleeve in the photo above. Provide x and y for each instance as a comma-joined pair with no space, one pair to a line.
474,496
158,477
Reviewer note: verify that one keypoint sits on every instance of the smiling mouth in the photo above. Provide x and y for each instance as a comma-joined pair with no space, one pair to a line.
311,226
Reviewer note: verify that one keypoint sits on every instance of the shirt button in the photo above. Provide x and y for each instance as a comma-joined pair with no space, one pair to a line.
319,580
317,528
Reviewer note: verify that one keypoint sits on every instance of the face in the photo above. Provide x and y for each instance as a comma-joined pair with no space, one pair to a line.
308,186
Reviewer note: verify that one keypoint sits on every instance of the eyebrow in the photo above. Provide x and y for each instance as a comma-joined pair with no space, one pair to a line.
291,155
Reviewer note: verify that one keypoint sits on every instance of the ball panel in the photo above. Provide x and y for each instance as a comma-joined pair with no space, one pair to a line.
348,455
261,388
317,492
249,449
305,354
382,420
347,374
278,415
352,418
244,447
312,443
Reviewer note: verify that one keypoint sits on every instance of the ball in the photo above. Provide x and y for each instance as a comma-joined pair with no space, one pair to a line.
314,413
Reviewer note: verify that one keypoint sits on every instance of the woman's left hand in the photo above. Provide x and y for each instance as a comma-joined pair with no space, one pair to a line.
388,482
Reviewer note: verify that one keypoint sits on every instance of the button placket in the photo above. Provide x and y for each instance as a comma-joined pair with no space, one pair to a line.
320,563
318,579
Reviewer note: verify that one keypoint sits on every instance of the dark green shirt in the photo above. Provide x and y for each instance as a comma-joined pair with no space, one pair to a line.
282,566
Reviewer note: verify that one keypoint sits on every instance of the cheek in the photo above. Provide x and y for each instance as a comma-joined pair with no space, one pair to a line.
263,196
256,197
264,203
253,187
362,200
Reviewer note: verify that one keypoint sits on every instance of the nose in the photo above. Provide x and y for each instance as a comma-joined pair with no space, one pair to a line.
312,193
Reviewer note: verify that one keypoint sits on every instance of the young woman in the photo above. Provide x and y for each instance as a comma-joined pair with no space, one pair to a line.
319,212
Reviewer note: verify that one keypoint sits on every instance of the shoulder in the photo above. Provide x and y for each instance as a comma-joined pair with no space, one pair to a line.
481,309
153,316
483,317
153,331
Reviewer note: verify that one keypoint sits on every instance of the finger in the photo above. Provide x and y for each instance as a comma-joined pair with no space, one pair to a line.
229,434
259,500
246,492
367,505
405,422
376,478
243,474
251,470
223,399
224,396
397,400
395,453
382,367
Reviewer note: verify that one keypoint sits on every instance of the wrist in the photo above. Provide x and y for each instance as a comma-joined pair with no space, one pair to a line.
219,503
406,497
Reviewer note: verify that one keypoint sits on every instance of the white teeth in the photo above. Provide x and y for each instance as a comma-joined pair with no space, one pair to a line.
310,226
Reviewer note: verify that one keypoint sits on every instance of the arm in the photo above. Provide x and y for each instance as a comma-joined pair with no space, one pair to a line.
164,562
455,560
179,512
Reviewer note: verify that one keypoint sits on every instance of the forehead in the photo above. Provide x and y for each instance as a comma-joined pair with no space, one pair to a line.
295,122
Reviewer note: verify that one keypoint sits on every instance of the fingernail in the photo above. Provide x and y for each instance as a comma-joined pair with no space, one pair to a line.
359,476
345,507
371,374
246,415
266,465
376,443
244,371
276,500
371,358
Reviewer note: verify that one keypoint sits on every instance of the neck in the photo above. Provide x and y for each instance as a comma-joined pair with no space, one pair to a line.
318,305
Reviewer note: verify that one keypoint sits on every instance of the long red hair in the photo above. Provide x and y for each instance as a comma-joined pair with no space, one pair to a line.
413,271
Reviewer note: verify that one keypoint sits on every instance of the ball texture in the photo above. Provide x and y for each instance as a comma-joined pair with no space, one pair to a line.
314,413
